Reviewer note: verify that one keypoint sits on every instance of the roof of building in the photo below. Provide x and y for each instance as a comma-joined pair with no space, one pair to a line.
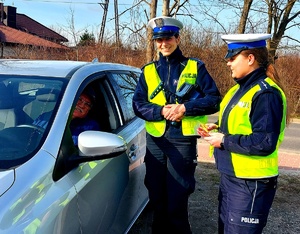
11,35
27,24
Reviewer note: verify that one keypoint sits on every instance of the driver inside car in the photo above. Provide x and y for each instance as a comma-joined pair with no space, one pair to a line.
80,120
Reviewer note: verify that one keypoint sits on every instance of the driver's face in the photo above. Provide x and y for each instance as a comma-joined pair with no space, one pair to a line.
83,107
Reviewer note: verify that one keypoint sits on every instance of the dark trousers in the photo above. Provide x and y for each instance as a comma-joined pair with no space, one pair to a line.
170,168
244,204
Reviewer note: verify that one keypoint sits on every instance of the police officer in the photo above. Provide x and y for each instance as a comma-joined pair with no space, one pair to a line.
251,127
171,124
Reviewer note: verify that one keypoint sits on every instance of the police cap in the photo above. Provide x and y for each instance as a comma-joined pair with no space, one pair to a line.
239,42
164,26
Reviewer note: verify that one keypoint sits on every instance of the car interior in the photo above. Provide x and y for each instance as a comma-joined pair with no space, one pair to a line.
7,114
99,111
44,101
21,101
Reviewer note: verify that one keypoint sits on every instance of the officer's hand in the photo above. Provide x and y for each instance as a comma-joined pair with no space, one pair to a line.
214,139
203,131
173,112
211,126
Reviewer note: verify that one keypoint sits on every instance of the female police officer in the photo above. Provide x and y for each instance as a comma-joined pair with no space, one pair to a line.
251,127
171,124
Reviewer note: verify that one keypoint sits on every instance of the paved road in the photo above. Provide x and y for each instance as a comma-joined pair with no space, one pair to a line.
291,142
289,151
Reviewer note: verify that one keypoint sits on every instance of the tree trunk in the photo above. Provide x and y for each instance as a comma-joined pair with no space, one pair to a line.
281,22
279,16
244,16
150,45
166,8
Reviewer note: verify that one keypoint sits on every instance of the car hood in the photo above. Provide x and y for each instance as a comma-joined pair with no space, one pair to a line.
7,178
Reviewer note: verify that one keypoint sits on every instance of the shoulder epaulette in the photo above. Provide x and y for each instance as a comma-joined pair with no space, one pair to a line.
264,85
197,60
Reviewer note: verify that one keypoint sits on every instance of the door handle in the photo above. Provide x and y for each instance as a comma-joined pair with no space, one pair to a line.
132,151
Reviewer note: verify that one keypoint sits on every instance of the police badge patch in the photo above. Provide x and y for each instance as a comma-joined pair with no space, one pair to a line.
159,22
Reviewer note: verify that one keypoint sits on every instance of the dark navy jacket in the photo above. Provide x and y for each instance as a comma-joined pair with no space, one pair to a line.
77,125
265,117
169,69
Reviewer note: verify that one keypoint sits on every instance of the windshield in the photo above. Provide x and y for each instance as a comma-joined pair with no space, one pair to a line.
27,109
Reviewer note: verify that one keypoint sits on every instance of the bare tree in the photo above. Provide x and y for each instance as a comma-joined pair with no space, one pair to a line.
248,16
280,18
244,16
176,6
150,45
166,8
71,26
275,16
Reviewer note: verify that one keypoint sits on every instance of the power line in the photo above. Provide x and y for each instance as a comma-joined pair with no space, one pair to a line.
97,3
71,2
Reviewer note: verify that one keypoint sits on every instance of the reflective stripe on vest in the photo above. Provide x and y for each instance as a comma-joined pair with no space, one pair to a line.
189,123
238,122
156,128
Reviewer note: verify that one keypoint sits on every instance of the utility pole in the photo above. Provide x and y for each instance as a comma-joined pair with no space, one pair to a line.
117,23
105,10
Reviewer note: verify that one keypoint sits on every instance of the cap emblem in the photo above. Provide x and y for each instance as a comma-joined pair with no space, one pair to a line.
159,22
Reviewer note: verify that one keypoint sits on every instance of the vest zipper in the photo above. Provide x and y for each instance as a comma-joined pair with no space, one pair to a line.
168,79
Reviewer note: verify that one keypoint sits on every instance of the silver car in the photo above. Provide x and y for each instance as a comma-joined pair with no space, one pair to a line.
48,184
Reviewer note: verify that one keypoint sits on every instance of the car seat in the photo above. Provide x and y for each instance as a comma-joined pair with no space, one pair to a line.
7,113
45,101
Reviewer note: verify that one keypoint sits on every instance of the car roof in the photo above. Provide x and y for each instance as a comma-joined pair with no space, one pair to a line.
53,68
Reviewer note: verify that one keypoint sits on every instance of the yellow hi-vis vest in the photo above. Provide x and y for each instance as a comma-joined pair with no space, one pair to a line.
253,166
189,123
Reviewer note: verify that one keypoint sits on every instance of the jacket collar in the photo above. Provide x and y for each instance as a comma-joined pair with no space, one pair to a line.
258,74
175,57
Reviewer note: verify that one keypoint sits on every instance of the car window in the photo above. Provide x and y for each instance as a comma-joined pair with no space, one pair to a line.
110,107
22,101
127,83
103,115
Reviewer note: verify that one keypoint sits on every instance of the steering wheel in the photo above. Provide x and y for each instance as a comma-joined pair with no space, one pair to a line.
35,127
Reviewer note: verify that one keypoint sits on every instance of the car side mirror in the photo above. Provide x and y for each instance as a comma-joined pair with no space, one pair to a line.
92,146
99,145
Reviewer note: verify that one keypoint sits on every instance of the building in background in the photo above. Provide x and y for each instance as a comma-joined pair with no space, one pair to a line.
19,30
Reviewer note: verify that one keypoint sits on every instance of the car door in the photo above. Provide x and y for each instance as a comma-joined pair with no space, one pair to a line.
111,193
135,196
